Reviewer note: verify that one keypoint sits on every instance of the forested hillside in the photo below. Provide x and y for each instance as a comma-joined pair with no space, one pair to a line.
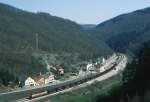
135,79
18,29
126,32
88,26
56,35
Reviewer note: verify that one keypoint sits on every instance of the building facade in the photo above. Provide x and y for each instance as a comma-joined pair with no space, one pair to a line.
49,79
30,82
39,80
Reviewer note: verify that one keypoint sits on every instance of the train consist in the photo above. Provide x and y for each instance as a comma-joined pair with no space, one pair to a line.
112,66
38,94
67,84
72,83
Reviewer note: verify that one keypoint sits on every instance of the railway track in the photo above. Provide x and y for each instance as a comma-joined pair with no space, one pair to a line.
22,100
71,84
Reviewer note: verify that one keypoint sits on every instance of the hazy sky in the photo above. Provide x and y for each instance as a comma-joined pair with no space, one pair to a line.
81,11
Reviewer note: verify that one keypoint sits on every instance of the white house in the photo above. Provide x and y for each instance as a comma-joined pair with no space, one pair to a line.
89,66
103,60
102,69
30,82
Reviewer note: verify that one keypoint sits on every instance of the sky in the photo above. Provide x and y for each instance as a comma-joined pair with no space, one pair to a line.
81,11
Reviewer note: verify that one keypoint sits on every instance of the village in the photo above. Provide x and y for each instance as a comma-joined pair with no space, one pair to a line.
49,77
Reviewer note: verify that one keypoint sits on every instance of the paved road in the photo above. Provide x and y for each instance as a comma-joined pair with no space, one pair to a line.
120,59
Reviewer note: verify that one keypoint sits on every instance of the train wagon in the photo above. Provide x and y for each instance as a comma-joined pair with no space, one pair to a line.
66,84
38,94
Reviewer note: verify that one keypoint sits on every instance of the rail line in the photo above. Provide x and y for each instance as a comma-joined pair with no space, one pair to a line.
69,85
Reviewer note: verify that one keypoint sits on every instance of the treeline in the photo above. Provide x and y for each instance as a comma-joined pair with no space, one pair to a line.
14,64
18,30
125,33
136,83
122,41
7,78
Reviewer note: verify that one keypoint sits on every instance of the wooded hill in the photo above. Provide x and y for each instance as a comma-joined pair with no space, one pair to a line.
18,29
127,32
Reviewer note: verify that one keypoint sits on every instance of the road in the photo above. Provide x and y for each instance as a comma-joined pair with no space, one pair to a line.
120,59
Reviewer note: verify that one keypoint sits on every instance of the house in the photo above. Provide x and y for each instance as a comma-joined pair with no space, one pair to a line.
102,69
89,66
61,71
103,60
30,82
48,78
39,80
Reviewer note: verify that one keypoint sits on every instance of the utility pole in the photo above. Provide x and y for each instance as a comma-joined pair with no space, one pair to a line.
37,41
